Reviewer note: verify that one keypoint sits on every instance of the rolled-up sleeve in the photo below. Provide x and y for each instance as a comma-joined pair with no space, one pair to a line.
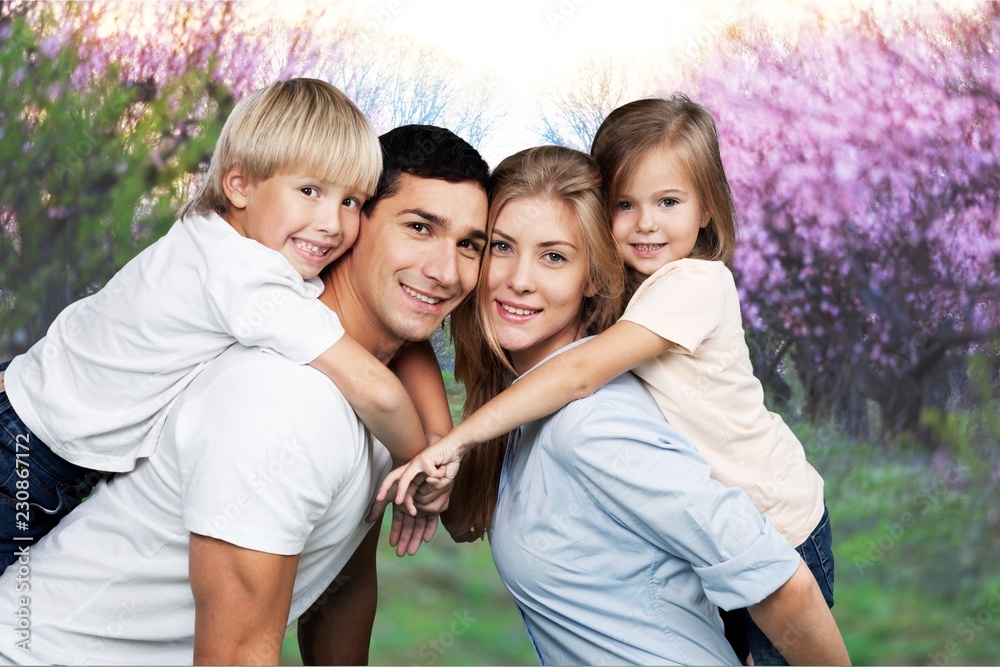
648,477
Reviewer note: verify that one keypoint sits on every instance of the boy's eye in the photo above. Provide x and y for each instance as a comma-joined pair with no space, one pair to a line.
309,191
352,203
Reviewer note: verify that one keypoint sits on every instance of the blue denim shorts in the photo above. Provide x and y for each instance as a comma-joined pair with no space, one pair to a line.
743,633
39,487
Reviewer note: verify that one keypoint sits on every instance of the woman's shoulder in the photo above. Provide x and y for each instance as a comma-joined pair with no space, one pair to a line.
623,400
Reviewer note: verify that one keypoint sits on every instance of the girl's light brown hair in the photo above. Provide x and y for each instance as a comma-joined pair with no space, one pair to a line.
550,173
686,129
302,126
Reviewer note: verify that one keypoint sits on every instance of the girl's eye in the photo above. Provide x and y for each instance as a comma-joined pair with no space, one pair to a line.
623,206
667,202
500,246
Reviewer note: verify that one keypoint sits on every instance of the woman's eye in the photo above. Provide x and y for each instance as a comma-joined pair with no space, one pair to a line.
500,246
554,257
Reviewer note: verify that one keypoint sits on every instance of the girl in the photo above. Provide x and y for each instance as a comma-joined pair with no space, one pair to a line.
674,222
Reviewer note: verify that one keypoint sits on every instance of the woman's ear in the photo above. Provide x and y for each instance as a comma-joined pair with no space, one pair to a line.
589,290
234,184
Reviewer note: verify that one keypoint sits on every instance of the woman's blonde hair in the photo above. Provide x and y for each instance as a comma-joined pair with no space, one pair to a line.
301,125
546,173
687,129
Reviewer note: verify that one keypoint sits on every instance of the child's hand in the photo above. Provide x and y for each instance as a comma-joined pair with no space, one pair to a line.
433,496
441,461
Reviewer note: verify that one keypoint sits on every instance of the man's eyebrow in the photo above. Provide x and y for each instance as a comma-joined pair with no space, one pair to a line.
432,218
435,219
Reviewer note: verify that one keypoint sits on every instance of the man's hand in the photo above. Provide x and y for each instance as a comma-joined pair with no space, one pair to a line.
408,532
242,599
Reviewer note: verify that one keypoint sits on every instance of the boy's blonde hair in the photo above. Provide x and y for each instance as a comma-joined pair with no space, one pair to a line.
297,126
687,129
552,173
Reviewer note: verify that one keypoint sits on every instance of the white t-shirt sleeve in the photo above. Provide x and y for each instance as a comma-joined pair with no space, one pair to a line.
683,303
261,301
261,464
649,478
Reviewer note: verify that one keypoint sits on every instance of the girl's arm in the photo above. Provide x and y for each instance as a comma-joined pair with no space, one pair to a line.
376,394
574,374
417,368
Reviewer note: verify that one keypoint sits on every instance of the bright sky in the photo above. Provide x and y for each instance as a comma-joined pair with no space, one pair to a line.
530,45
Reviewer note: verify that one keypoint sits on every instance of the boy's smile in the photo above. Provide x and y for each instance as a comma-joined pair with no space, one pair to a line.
309,221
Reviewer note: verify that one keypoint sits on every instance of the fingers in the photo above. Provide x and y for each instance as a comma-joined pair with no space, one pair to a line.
406,480
376,509
432,522
387,483
405,534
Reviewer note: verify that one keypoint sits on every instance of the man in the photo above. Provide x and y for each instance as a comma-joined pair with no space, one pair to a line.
255,498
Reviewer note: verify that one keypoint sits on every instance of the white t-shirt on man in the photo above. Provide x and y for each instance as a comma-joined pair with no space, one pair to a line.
258,452
97,388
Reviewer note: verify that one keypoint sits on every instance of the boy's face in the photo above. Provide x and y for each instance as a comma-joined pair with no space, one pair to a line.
309,221
419,254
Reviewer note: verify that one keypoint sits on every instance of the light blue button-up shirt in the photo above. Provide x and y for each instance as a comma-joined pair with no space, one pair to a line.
617,545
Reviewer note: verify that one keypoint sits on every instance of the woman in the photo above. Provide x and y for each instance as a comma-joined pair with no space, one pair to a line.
605,525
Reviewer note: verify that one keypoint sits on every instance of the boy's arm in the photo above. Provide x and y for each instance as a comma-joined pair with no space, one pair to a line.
417,368
377,395
799,624
574,374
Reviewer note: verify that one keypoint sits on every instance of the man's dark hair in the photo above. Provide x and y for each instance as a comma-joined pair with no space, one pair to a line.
426,151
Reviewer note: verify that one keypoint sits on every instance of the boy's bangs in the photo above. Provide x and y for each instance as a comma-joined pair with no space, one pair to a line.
344,153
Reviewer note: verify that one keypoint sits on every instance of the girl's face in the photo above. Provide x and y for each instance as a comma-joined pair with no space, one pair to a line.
658,215
537,279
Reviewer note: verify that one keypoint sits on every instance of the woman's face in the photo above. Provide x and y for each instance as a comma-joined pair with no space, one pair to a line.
537,279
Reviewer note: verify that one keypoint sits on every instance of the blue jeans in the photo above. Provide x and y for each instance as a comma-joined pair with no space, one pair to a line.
39,487
743,633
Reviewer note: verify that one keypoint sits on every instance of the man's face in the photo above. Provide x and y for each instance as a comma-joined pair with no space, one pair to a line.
418,254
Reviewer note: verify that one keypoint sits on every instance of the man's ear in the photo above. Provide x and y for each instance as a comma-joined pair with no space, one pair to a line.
234,184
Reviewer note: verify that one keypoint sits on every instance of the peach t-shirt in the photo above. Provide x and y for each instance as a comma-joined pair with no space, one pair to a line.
705,386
